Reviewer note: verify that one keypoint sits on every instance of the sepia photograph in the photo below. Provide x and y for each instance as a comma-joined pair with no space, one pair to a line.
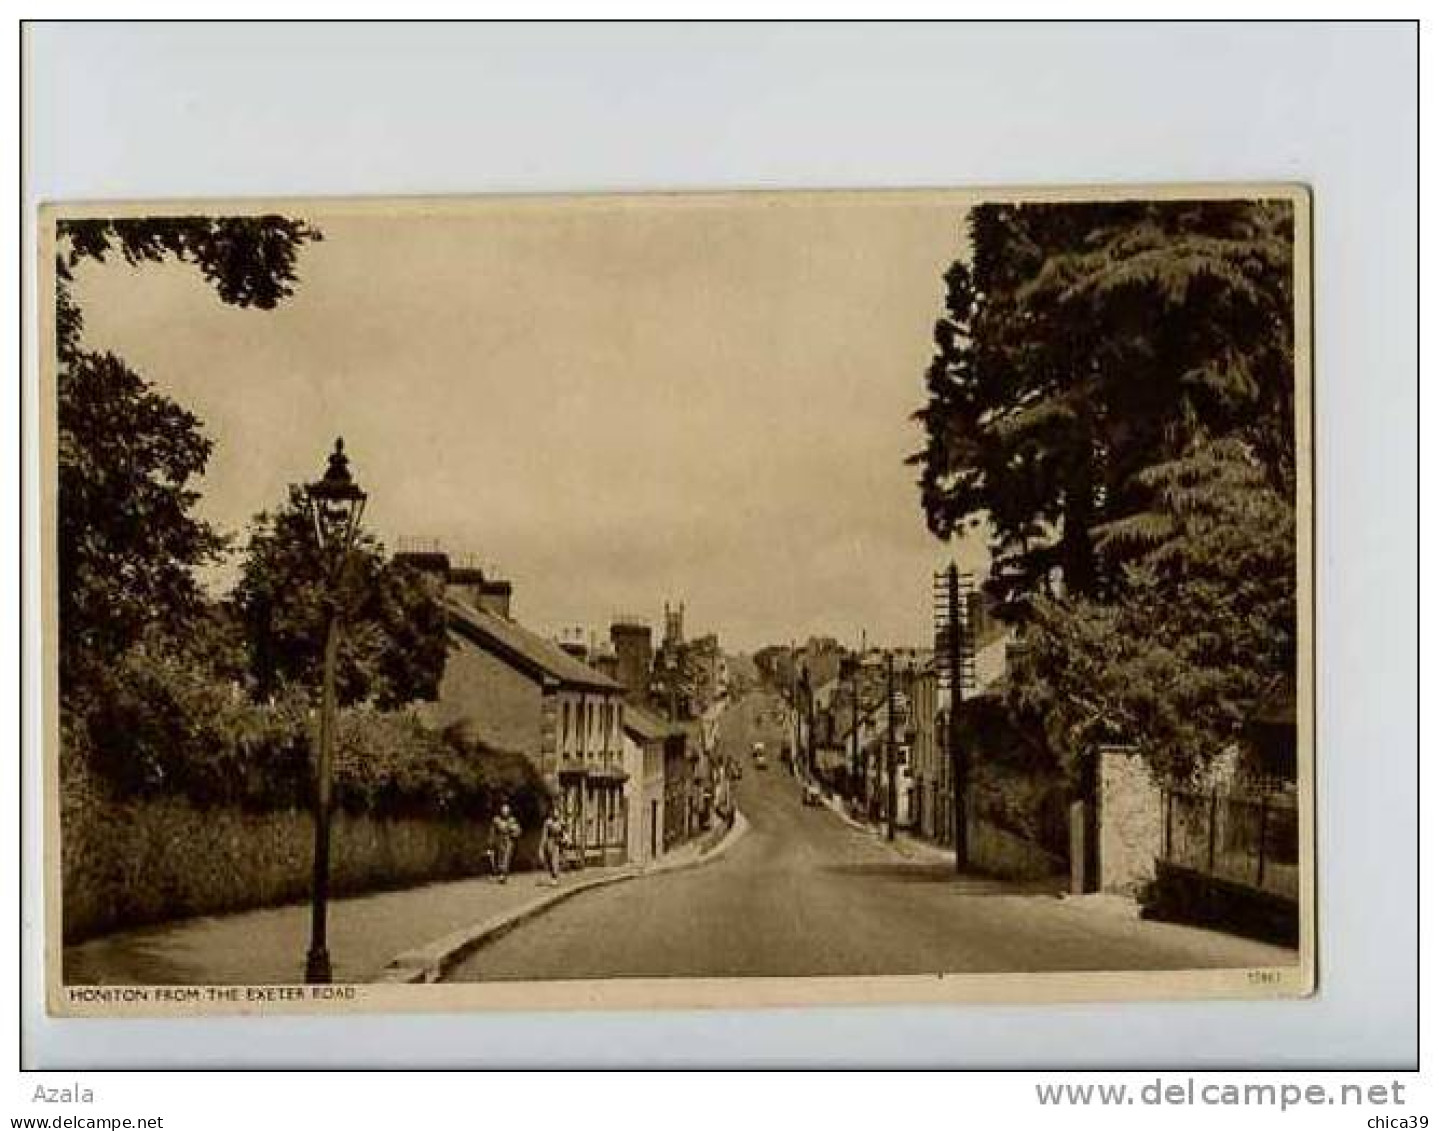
633,601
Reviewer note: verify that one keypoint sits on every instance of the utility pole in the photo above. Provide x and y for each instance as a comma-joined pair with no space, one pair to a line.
891,807
958,760
954,651
855,775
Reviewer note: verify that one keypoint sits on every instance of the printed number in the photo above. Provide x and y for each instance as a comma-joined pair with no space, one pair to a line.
1263,977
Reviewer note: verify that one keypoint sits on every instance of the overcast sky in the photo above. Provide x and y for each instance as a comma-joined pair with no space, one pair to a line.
617,404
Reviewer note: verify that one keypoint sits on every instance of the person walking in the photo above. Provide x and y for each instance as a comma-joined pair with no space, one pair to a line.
554,839
504,831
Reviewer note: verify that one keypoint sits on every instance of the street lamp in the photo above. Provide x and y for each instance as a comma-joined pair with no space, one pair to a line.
336,504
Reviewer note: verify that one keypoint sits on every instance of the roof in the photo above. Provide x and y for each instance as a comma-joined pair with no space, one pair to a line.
524,649
644,724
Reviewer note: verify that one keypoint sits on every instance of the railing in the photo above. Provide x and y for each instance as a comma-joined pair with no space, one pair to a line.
1246,838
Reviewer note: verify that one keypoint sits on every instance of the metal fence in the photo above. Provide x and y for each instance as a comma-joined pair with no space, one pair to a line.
1246,838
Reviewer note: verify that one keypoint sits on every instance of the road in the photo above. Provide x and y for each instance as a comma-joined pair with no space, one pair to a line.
807,893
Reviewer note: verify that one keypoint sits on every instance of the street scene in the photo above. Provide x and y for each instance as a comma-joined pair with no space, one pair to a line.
777,587
819,894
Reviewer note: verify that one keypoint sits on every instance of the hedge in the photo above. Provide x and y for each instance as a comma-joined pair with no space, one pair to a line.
160,728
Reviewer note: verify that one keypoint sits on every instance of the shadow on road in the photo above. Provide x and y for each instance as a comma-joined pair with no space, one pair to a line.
943,874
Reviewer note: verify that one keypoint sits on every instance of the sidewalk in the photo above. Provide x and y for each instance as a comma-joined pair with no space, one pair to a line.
267,946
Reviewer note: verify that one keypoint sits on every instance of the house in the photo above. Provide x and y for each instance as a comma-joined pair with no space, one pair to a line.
929,758
515,690
644,744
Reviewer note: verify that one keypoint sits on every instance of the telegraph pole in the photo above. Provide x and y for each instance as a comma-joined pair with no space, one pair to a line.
959,762
854,768
891,776
954,647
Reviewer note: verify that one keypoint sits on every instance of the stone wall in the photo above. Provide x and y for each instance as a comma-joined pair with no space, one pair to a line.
129,863
1131,822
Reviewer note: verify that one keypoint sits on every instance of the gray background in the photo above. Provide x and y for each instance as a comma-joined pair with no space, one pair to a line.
161,110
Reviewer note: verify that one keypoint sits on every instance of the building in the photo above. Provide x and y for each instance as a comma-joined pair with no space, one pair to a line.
929,758
515,690
645,734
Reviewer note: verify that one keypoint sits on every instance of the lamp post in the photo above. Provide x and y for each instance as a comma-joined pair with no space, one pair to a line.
336,504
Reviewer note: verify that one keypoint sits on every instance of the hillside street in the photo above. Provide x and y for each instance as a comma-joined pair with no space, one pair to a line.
806,892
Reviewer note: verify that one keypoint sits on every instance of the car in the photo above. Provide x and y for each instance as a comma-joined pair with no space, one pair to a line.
760,762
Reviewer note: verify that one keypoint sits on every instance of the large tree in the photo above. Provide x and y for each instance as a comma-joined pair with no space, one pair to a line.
1205,629
393,644
128,539
1083,343
1112,393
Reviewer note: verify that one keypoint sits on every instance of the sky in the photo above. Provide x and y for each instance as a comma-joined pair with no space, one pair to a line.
614,404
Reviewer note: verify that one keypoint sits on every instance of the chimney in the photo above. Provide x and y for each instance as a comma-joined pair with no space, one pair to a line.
432,565
494,597
572,642
634,655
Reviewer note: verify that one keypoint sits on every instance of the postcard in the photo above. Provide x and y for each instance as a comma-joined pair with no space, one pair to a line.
647,601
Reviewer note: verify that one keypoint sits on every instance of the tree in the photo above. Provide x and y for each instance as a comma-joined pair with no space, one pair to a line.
1205,630
128,539
1084,343
393,644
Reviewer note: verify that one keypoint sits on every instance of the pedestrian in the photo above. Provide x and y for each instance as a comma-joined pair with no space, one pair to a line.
504,831
554,839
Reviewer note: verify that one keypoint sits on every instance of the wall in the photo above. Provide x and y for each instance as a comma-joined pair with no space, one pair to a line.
135,862
503,705
1131,822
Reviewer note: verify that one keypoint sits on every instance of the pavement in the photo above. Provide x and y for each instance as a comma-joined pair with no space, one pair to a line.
406,935
808,893
433,960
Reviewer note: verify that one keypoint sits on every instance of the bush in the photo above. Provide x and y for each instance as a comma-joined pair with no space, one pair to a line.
389,763
1030,805
159,726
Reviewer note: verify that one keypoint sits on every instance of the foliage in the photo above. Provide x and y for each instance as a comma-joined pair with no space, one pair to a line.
393,642
249,260
1084,343
165,727
128,539
388,763
1206,627
1111,399
162,725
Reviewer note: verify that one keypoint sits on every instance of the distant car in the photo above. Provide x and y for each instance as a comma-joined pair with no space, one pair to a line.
812,795
760,762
